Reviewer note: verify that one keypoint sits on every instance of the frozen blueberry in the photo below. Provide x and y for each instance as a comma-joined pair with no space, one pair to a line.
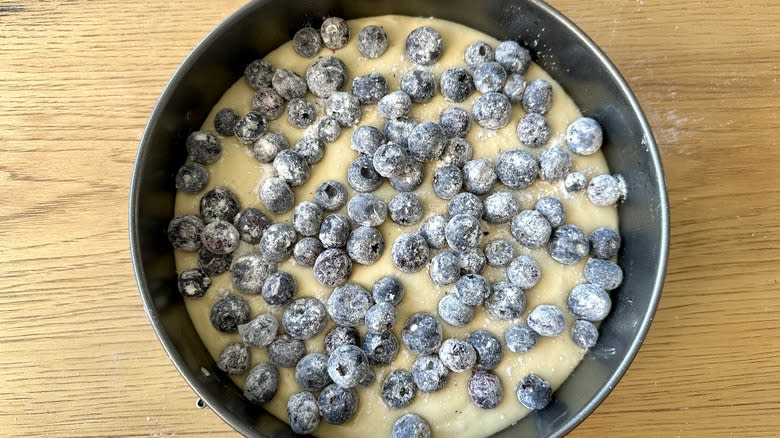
531,229
457,355
367,210
220,237
517,168
365,245
343,107
537,97
311,372
303,414
575,181
488,347
234,359
348,366
409,176
552,210
334,231
311,148
447,181
584,136
455,123
269,103
204,147
485,390
444,268
426,142
605,190
398,389
337,404
479,177
288,84
429,373
192,178
372,41
184,232
389,158
326,76
489,76
306,42
307,218
514,88
398,130
589,302
507,301
456,84
519,339
499,207
463,231
395,105
604,243
334,32
524,272
492,110
268,146
533,392
228,313
465,203
259,73
332,267
387,290
603,273
410,425
454,312
279,288
477,53
278,241
285,351
301,113
433,231
547,320
331,195
369,88
513,57
251,223
554,164
422,333
362,176
568,244
193,283
499,252
472,289
276,195
341,335
261,384
410,252
260,331
304,318
381,348
250,271
471,261
533,130
420,85
291,167
347,305
307,250
213,264
424,45
584,333
250,127
367,139
405,208
328,129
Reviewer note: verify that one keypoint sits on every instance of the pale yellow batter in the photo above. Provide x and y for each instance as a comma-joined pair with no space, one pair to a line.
449,411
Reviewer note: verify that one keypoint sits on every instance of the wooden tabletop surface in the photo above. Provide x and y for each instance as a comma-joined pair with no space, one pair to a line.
79,78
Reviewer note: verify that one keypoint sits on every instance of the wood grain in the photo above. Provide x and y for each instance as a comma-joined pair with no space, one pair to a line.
78,80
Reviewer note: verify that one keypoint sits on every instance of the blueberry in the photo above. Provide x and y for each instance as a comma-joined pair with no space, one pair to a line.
348,304
514,88
398,130
362,176
261,384
575,181
492,110
524,272
341,335
291,167
389,158
369,88
479,177
429,373
278,241
552,210
398,389
306,42
301,113
337,405
456,84
433,231
331,195
365,245
466,203
307,218
478,53
234,359
279,288
303,414
485,390
507,301
288,84
343,107
260,331
395,105
519,339
533,130
513,57
604,243
605,190
537,97
334,32
334,231
454,312
422,333
410,252
426,142
387,290
589,302
455,123
213,264
405,208
424,46
193,283
554,164
489,76
409,176
488,347
304,318
568,244
228,312
311,148
328,129
367,139
547,320
420,85
192,178
499,207
250,271
584,136
367,210
517,168
603,273
584,333
269,103
447,181
184,232
381,348
332,267
311,372
204,147
533,392
220,237
251,223
499,252
457,355
326,76
372,41
471,261
250,127
463,231
285,351
348,365
472,289
276,195
307,250
410,426
531,229
259,73
444,268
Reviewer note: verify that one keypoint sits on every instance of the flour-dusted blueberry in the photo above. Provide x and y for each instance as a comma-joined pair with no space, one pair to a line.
547,320
334,231
311,372
219,203
589,302
424,46
514,87
433,231
604,243
478,53
367,210
268,146
228,313
499,252
326,76
250,271
344,107
234,359
534,392
584,334
381,348
387,290
507,301
192,178
332,267
212,263
455,312
410,425
251,223
524,272
398,389
260,331
575,182
369,88
463,231
279,288
422,333
258,73
492,110
278,241
395,105
485,390
479,177
426,142
568,244
331,195
405,208
307,250
220,237
328,130
348,366
537,97
517,168
456,84
472,289
489,76
250,127
304,318
372,41
499,207
447,181
307,218
409,177
513,57
291,167
471,261
519,339
410,252
204,147
193,283
605,190
429,373
554,164
303,414
365,245
301,113
455,123
184,232
419,84
444,268
337,404
362,176
311,148
533,130
531,229
389,158
457,355
348,304
603,273
261,384
398,130
288,84
341,335
334,32
552,210
306,42
366,139
488,347
584,136
285,351
269,103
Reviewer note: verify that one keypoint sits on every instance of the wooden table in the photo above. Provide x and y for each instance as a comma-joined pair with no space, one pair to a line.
78,80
